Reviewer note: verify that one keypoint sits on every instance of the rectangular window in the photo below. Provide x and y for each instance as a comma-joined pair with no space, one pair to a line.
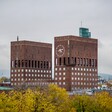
12,64
29,63
59,61
35,64
47,64
38,64
18,63
32,63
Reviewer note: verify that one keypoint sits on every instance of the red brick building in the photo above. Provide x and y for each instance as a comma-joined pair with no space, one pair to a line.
75,62
31,62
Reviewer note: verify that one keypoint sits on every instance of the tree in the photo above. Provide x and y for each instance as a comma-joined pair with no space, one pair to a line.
4,79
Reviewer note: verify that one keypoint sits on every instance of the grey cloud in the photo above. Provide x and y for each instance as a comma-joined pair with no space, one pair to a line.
41,20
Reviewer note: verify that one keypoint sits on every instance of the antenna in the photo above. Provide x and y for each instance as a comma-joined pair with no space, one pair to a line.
81,23
17,38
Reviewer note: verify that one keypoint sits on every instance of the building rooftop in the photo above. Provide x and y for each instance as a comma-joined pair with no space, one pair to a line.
5,88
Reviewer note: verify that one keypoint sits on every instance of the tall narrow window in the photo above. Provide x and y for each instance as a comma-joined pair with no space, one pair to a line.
12,64
59,61
22,62
32,63
92,63
38,64
81,61
35,64
41,64
44,64
84,61
47,65
25,63
29,63
18,63
89,62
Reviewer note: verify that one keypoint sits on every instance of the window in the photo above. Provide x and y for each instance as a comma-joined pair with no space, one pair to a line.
63,83
22,70
59,83
14,83
63,73
59,78
59,73
63,78
59,68
60,62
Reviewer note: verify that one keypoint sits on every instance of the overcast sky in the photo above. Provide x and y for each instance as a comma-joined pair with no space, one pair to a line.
42,20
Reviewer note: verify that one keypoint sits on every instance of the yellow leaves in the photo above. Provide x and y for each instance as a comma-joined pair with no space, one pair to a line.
100,102
53,99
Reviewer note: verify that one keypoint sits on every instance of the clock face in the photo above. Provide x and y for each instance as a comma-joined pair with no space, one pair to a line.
60,50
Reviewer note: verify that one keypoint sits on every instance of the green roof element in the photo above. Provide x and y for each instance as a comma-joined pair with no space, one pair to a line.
84,32
5,88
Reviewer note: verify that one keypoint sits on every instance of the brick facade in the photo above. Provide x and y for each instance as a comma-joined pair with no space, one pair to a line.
31,63
75,62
